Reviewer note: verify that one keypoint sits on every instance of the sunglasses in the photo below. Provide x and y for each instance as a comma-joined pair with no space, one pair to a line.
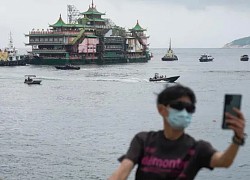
179,105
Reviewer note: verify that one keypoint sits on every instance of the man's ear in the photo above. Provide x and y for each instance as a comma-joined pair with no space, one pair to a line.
162,110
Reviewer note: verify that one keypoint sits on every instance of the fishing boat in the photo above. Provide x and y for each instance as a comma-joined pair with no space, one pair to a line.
170,56
206,58
68,67
87,38
31,79
244,57
10,57
157,77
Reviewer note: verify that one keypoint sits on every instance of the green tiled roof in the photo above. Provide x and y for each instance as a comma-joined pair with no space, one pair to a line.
59,23
137,27
92,10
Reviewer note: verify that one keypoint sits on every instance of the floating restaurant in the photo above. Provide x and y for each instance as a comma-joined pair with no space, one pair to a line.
87,38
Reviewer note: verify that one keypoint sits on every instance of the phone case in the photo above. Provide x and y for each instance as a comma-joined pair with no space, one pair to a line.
230,101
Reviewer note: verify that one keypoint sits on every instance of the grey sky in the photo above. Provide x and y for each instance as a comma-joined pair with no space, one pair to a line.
189,23
202,4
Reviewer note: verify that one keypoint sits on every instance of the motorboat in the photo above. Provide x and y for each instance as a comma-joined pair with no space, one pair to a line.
206,58
68,67
244,57
157,77
31,79
169,56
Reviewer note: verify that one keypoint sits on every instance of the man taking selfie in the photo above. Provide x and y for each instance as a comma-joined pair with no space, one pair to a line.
171,153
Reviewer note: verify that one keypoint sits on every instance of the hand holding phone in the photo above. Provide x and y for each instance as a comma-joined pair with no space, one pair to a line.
231,101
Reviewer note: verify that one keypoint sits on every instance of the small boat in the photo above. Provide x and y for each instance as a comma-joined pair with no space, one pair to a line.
68,67
170,56
244,57
30,79
206,58
164,78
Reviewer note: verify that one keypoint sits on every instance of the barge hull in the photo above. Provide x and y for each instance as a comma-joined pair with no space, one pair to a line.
41,61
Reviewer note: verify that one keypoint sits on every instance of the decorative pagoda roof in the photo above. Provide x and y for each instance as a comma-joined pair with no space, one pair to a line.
92,10
137,27
59,23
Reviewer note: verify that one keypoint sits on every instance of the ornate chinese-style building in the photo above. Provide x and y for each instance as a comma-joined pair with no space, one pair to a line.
90,39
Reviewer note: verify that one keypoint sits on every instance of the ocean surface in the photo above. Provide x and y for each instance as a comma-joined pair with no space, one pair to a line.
77,123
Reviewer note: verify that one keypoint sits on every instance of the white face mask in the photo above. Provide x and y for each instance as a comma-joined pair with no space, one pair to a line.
179,119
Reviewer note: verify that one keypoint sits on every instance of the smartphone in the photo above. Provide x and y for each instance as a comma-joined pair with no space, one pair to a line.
230,101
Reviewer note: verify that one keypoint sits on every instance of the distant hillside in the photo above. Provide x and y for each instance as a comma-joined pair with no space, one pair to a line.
239,43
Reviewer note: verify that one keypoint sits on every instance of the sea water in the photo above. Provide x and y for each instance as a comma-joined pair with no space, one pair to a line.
77,123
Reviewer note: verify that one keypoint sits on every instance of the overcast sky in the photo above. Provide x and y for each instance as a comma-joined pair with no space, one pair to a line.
189,23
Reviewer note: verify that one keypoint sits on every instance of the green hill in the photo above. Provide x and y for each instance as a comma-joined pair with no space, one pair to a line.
239,43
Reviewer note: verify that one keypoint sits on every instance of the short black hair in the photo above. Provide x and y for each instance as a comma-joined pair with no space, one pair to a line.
172,93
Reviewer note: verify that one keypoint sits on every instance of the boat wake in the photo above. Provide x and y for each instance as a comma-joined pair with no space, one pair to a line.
126,80
229,72
51,78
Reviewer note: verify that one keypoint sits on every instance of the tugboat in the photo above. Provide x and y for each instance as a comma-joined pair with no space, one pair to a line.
29,79
206,58
244,57
164,78
10,57
170,56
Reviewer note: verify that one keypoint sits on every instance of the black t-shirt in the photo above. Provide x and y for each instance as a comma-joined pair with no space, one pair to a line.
159,158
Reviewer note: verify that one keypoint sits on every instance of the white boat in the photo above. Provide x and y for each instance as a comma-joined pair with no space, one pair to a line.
206,58
10,57
170,56
157,77
31,79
